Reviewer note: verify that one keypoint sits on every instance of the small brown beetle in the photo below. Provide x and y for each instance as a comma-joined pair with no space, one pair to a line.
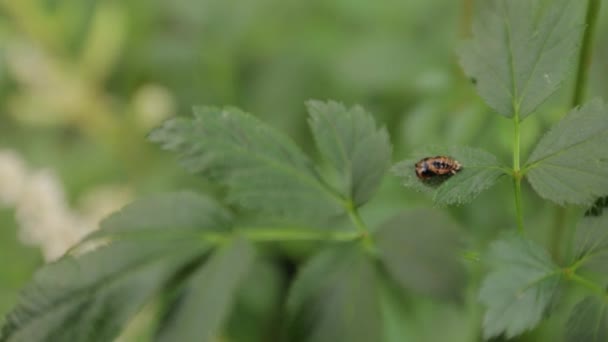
432,167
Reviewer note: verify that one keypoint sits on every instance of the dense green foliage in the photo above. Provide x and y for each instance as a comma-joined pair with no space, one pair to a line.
293,234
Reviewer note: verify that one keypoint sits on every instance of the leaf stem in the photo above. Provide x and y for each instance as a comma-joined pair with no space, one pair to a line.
360,226
269,235
517,175
584,282
354,216
584,59
582,73
215,237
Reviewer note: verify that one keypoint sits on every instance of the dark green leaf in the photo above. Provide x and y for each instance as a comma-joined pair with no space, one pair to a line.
336,298
90,298
521,51
570,163
421,250
519,288
591,243
588,321
262,169
259,304
168,212
208,296
355,147
480,170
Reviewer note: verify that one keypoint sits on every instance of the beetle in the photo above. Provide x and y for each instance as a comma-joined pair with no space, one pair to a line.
437,167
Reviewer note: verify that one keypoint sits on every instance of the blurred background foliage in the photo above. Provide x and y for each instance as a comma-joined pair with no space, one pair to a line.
83,81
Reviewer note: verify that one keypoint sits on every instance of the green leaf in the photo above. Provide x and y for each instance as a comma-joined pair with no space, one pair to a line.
262,169
519,288
591,243
421,251
350,141
570,163
480,170
521,51
208,296
90,298
259,304
169,213
335,297
588,321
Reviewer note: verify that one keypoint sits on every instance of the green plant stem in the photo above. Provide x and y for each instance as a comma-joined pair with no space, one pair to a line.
360,225
261,235
584,58
355,218
258,234
517,173
588,284
582,73
518,206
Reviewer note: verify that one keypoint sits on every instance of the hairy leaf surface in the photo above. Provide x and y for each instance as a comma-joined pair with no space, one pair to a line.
588,321
519,288
168,213
570,163
90,298
335,297
521,51
262,169
480,170
208,296
421,250
350,141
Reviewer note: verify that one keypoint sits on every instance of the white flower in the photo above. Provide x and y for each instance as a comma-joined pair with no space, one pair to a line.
44,216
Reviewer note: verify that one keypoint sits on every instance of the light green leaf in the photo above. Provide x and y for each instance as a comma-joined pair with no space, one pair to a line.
421,251
480,170
262,169
335,297
521,51
519,288
168,213
208,296
591,239
588,321
90,298
570,163
355,147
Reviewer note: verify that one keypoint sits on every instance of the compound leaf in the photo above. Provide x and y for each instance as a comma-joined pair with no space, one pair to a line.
570,163
350,141
521,51
262,169
335,297
421,251
588,321
208,295
480,170
91,297
519,288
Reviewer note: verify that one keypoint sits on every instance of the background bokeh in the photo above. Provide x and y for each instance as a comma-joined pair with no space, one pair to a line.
83,81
